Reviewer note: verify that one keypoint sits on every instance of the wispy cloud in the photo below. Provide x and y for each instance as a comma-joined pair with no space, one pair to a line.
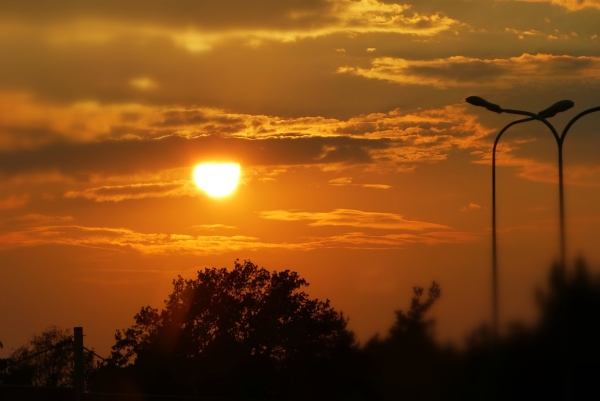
33,220
118,193
124,239
570,4
470,206
35,230
13,201
531,169
342,181
347,181
212,227
352,218
360,240
468,71
376,186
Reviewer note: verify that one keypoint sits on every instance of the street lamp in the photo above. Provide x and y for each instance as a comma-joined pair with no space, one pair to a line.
494,240
541,116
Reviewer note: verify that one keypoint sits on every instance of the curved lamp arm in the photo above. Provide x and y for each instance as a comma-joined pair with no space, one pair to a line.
507,127
574,119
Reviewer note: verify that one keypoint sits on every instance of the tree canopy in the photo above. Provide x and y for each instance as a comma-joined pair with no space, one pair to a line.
245,322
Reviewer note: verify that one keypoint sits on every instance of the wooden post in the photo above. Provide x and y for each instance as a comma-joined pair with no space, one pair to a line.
78,362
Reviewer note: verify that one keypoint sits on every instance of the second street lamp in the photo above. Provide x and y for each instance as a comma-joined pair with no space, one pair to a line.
541,116
551,111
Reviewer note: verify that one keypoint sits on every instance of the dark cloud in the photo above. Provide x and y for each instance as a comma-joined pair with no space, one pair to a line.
284,79
130,156
476,70
173,118
135,191
220,15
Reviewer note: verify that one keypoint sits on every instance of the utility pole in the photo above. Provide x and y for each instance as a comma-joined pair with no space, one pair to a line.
78,362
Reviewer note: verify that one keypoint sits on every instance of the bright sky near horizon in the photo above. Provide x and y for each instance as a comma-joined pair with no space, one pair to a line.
362,167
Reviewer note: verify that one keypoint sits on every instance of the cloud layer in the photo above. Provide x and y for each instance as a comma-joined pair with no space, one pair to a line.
474,72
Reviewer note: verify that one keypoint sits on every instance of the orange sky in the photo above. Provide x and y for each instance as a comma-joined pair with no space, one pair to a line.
362,167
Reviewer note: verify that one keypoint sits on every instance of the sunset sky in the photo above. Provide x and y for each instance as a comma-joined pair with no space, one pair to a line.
363,168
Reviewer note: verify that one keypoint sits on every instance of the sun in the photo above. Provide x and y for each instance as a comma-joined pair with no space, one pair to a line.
217,179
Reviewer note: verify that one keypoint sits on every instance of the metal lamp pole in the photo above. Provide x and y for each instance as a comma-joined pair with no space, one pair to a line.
541,116
494,239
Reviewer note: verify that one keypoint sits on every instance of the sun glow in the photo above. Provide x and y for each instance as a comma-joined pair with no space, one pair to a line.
217,179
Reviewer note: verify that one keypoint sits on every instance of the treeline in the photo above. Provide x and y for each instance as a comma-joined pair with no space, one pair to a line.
248,333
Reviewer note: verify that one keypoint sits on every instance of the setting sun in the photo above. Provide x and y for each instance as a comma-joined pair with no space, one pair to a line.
217,179
329,141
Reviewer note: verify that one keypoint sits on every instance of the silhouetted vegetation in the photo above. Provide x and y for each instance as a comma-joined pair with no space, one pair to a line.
408,362
555,359
46,360
241,332
248,333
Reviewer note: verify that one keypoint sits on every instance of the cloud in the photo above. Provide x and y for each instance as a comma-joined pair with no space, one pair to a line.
584,172
129,156
127,139
27,122
347,181
468,71
360,240
124,239
352,218
118,193
525,33
37,229
13,202
586,175
470,206
527,167
212,227
143,83
33,220
34,230
342,181
572,5
376,186
200,26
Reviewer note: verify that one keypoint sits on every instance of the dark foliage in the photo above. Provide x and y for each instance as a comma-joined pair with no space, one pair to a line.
557,359
239,332
46,360
247,333
408,363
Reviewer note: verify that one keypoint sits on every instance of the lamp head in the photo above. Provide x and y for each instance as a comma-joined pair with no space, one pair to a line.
478,101
556,108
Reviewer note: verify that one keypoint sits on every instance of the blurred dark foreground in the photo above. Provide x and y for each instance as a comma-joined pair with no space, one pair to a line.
558,358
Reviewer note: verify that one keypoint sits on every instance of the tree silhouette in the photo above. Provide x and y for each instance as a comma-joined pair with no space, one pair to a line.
413,323
408,363
245,331
554,359
46,360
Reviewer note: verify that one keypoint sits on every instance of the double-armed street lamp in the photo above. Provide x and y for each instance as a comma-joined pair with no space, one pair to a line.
542,116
